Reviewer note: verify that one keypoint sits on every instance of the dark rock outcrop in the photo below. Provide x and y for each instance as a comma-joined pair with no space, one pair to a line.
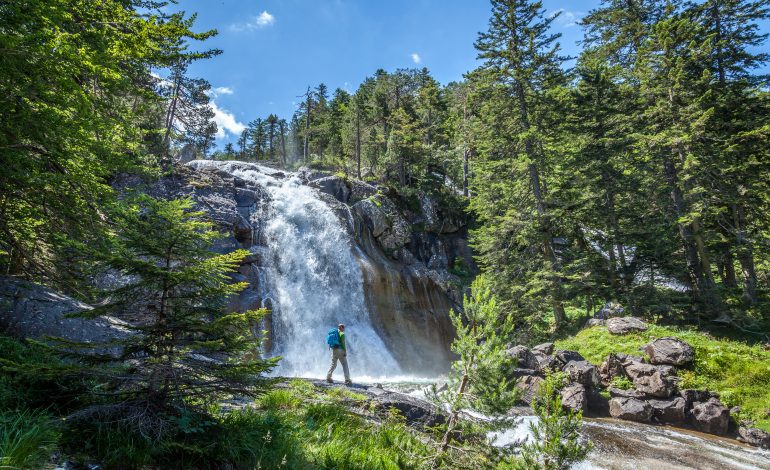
754,436
582,372
574,397
29,310
671,351
650,380
670,411
710,416
609,310
543,348
528,385
612,367
625,325
691,396
631,409
564,356
416,412
523,357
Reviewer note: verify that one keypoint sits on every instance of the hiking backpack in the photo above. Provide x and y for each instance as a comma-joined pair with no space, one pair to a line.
333,338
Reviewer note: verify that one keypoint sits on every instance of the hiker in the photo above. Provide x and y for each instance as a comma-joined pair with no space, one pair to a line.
336,341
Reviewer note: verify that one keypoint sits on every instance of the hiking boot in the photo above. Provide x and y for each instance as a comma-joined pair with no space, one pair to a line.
348,382
329,381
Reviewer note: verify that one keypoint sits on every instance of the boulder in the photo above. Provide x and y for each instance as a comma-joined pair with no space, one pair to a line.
625,325
650,380
691,396
631,393
360,190
631,409
334,186
595,322
545,348
710,416
609,310
547,362
671,351
417,413
528,385
435,219
524,358
670,411
245,197
582,372
574,397
598,404
372,216
564,356
754,436
612,367
242,230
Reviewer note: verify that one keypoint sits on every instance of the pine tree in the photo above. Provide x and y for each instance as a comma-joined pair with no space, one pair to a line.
555,443
522,65
186,351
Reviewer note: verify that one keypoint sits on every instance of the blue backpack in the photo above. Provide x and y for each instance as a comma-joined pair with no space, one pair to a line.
333,338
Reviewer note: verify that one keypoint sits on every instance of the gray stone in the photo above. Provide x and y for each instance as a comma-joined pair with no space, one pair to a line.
610,309
582,372
710,416
668,411
625,325
188,154
595,322
360,190
523,357
650,380
630,409
372,216
29,310
528,385
545,348
574,397
671,351
334,186
631,393
547,362
754,436
612,367
691,396
417,413
245,197
564,356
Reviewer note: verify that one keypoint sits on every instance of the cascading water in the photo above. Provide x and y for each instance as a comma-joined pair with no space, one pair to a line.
310,276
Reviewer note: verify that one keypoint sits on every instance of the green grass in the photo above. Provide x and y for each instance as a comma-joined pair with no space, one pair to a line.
27,439
739,372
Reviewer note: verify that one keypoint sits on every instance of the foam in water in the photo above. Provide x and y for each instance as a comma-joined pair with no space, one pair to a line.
313,280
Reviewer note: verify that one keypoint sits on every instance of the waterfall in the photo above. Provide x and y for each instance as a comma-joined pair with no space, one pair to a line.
310,276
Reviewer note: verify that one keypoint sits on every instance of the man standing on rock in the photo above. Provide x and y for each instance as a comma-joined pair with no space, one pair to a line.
336,341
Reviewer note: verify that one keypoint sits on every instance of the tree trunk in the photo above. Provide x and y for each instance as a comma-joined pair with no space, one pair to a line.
745,255
358,142
455,414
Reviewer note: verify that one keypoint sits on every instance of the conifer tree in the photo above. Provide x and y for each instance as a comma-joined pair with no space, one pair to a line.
186,351
522,65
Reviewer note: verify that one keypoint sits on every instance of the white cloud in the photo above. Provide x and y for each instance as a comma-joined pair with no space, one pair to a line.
416,58
219,91
226,122
567,18
260,21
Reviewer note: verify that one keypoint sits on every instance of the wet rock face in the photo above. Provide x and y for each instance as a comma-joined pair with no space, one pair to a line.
631,409
671,351
710,416
625,325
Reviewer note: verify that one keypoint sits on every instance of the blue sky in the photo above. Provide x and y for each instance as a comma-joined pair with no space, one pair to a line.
274,49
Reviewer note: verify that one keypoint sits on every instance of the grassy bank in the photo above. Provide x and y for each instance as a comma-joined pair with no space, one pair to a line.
739,372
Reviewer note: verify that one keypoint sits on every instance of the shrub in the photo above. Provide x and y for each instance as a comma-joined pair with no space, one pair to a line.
27,439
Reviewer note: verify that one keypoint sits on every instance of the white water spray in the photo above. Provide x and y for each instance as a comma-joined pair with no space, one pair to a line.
312,279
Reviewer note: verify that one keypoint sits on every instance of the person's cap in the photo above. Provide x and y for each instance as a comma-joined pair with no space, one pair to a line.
340,326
